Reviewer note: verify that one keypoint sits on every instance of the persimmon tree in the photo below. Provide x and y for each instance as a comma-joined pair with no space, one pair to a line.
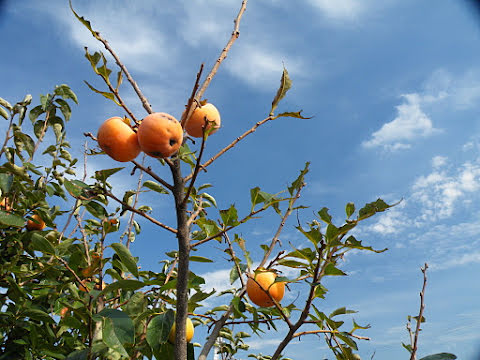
73,290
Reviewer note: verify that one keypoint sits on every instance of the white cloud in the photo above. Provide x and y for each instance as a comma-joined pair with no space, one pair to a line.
133,31
392,221
439,191
339,9
410,124
260,66
455,261
439,161
462,91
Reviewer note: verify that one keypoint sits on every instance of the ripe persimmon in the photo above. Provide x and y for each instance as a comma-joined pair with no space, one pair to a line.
160,135
63,311
265,279
189,331
38,225
5,204
196,123
118,140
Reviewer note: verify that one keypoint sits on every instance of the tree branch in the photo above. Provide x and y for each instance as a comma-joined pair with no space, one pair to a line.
413,355
141,213
232,144
130,79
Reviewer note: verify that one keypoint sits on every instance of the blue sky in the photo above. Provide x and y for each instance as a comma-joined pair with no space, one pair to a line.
393,87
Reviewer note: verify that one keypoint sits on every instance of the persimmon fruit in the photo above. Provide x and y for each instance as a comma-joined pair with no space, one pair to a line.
196,123
63,311
38,225
118,140
265,279
160,135
5,204
189,332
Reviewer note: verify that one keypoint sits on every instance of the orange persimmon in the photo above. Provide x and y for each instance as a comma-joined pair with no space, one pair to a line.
160,135
118,140
38,225
265,279
196,123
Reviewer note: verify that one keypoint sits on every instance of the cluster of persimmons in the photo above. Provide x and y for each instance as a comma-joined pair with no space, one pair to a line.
159,135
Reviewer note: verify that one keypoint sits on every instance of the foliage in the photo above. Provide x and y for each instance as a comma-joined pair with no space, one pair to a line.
75,291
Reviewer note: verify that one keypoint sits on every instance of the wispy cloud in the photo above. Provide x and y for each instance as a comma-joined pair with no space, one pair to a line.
260,66
442,89
410,124
339,9
145,49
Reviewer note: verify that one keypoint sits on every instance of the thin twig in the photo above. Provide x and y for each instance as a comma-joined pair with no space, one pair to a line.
228,228
281,225
194,215
197,165
189,110
323,331
232,255
135,201
226,49
232,144
141,213
149,171
413,355
140,95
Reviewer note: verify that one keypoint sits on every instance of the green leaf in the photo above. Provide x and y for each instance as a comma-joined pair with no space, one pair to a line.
238,307
75,187
349,209
297,114
200,259
6,181
353,243
285,85
325,216
65,92
103,175
158,330
11,219
341,311
372,208
40,243
64,108
292,263
35,113
96,209
4,113
126,258
331,270
119,79
78,355
37,314
332,232
209,198
110,338
126,285
118,329
440,356
6,104
106,94
314,234
229,216
153,185
257,197
299,181
234,275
